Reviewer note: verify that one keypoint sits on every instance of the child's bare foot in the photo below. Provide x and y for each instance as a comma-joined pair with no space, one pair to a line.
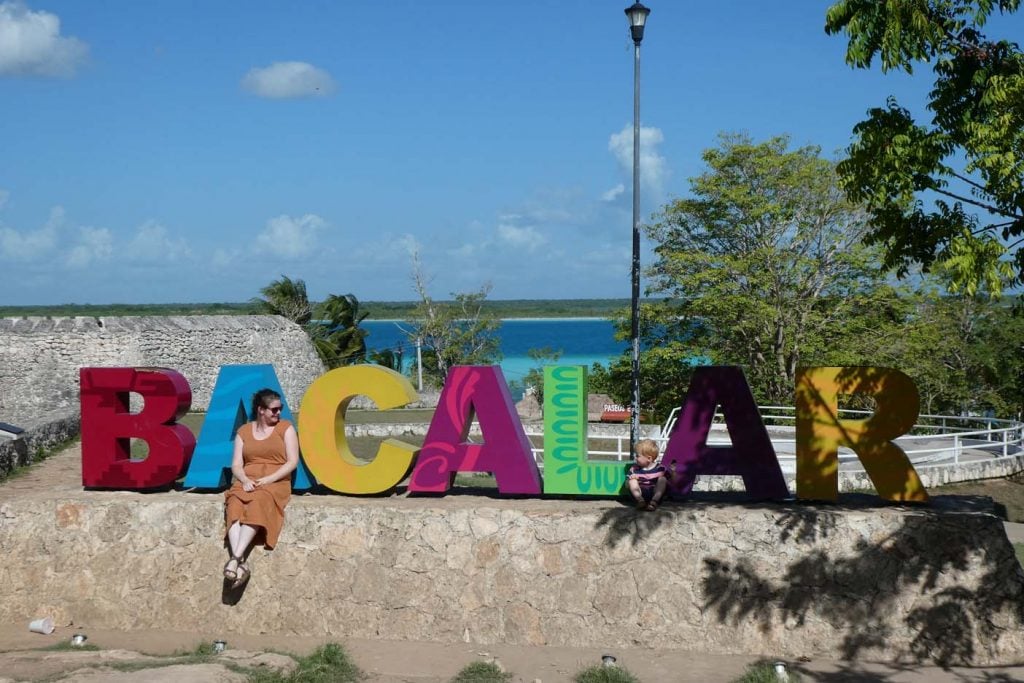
652,506
641,504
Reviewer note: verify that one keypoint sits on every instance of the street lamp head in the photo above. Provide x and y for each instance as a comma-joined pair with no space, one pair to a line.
637,15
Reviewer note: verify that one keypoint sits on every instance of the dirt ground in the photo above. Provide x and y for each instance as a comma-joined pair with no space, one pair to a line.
419,662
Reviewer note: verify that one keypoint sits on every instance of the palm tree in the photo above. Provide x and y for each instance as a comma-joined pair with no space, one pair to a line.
335,333
389,358
286,298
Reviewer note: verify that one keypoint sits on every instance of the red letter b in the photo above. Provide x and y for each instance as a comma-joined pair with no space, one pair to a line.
108,427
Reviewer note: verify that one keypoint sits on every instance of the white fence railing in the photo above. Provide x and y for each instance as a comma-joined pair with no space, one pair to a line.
936,440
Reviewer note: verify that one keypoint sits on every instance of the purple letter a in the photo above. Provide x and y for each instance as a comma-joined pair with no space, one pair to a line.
751,454
505,450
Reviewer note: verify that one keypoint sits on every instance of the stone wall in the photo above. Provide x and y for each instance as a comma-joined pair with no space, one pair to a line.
40,357
38,439
938,583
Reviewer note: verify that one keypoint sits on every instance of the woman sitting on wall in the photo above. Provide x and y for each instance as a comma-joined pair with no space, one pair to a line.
266,453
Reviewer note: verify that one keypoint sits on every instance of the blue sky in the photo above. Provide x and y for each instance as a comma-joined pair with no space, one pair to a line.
194,151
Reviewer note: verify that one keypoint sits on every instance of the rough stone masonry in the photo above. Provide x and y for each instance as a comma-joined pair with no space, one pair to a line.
40,357
895,583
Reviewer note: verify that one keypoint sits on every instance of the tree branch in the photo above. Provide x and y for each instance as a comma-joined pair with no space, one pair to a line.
980,205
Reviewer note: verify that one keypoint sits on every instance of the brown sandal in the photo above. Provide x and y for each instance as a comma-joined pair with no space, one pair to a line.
242,575
231,574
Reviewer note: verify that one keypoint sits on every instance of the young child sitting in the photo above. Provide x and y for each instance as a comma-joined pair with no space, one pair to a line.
647,481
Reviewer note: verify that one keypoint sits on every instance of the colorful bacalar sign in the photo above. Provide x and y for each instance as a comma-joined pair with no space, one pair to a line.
481,393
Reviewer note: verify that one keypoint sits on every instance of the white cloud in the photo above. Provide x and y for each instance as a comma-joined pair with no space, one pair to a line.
653,167
291,237
465,251
31,245
95,245
521,238
152,243
225,257
288,80
409,244
614,193
31,44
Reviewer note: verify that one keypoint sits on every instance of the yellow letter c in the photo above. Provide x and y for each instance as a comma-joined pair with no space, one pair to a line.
324,406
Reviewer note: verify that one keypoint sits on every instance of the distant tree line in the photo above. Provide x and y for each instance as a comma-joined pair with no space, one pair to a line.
375,310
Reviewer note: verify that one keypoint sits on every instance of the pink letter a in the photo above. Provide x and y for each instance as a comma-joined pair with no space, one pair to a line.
505,451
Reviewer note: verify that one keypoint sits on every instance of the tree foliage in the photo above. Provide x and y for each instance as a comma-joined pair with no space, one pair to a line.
760,262
666,363
533,380
457,332
950,190
335,333
286,298
963,352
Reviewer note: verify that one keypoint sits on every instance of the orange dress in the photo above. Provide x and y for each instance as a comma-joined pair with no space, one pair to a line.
262,507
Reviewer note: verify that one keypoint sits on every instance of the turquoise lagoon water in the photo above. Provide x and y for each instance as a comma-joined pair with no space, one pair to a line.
582,341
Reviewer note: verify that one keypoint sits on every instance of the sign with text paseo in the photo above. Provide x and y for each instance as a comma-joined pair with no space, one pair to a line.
480,393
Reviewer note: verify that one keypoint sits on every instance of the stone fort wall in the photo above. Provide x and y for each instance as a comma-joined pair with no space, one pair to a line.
934,583
40,357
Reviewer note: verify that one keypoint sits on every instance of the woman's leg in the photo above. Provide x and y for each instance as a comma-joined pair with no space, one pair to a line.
239,537
231,567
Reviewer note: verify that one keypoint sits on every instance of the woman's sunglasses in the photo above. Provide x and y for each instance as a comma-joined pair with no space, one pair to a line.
275,410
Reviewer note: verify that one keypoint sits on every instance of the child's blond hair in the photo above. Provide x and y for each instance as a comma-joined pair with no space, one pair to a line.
647,447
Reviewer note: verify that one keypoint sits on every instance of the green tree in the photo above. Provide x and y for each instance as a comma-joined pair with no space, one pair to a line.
964,354
286,298
457,332
760,263
533,380
951,190
999,359
666,363
335,333
393,359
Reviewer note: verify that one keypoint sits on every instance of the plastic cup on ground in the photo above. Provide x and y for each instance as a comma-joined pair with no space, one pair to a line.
44,626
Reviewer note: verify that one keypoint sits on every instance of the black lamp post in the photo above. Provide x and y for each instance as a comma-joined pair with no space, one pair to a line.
637,15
